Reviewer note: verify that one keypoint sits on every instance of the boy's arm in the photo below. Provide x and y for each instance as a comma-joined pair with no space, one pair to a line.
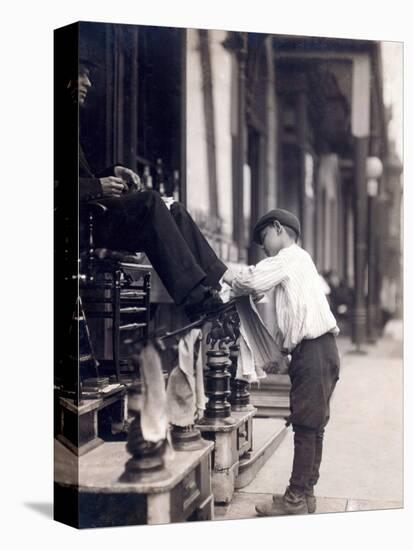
260,278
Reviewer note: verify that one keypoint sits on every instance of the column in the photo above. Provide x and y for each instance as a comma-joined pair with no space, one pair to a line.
360,241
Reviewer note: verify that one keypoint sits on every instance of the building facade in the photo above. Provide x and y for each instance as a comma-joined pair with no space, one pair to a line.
236,124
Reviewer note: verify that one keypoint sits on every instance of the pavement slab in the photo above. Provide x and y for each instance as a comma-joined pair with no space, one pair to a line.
364,505
243,506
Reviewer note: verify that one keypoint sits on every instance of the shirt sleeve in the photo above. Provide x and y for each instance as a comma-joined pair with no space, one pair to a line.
260,278
89,189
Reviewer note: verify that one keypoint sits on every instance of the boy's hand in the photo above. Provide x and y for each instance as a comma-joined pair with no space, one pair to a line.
228,277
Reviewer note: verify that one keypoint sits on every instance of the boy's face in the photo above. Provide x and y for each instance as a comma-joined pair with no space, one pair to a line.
271,239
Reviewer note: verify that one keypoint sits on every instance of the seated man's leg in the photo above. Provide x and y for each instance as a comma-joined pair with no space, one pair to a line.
204,254
142,222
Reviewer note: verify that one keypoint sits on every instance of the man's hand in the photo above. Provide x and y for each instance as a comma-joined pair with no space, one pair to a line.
129,177
112,186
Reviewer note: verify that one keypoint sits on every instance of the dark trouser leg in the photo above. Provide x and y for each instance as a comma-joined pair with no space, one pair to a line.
204,254
142,222
294,500
315,474
311,500
303,463
314,373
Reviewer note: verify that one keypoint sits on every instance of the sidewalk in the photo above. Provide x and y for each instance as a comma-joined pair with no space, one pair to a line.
362,467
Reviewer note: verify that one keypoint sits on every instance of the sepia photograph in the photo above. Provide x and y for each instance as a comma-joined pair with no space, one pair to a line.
205,275
228,275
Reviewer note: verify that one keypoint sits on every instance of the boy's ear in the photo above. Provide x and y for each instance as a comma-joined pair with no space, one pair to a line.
277,226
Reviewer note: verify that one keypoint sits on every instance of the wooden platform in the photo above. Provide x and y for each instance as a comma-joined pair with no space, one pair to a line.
80,426
233,438
181,491
268,434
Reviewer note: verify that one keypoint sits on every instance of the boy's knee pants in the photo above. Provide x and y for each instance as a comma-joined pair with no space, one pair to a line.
314,371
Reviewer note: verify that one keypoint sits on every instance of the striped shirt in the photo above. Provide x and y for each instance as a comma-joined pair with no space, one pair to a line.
301,307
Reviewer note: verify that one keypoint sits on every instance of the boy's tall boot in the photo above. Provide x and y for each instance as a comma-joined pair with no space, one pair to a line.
311,500
294,500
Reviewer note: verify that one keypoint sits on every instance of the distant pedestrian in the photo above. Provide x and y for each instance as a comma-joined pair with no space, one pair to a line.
306,330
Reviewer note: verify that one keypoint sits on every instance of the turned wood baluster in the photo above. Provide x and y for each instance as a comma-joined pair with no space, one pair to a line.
240,396
217,377
217,387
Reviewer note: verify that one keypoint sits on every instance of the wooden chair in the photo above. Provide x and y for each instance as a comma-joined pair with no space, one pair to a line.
113,305
114,287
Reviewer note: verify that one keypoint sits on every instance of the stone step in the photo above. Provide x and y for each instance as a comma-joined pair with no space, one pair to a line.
91,490
268,433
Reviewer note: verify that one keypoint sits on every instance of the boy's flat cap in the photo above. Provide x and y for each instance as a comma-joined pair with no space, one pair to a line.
284,217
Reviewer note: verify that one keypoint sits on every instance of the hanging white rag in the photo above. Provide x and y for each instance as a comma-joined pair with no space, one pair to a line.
154,420
185,392
258,349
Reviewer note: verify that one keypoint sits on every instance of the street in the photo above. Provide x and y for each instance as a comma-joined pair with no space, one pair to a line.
362,467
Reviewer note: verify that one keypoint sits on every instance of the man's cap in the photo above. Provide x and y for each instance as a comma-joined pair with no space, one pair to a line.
89,52
88,63
284,217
